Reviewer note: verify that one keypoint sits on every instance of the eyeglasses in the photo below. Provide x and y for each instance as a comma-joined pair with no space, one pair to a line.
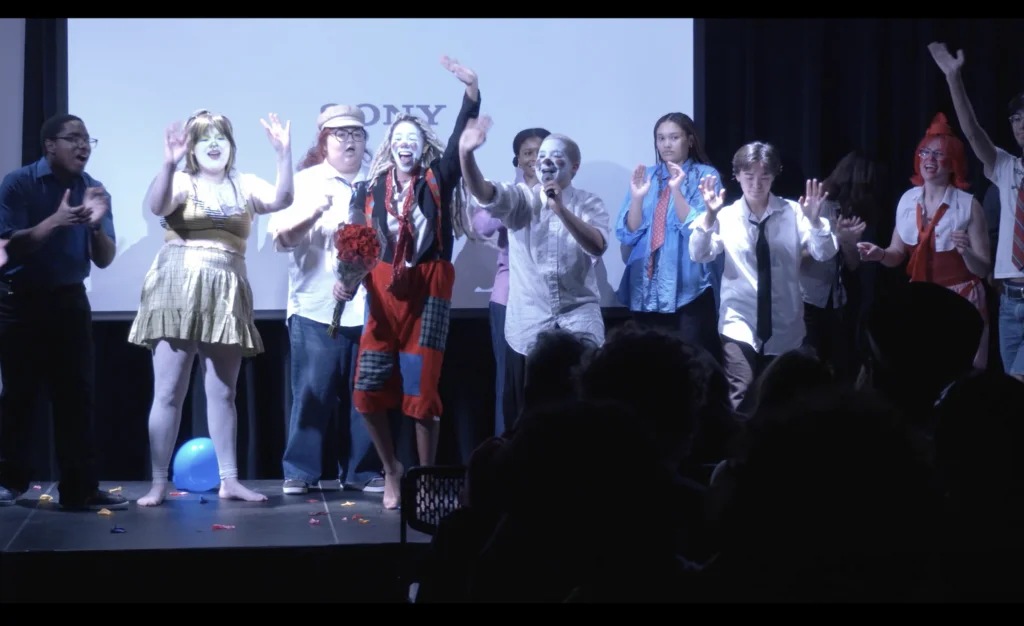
80,140
924,154
342,134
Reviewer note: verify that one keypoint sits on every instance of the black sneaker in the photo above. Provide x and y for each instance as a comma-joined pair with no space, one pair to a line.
8,496
97,501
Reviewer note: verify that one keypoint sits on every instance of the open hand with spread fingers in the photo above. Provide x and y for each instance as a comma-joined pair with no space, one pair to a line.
811,201
475,133
280,136
713,201
638,185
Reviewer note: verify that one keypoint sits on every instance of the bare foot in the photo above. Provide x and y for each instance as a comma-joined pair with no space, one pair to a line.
393,486
231,489
155,497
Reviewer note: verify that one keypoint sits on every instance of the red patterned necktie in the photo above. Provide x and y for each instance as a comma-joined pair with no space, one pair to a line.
1017,244
658,228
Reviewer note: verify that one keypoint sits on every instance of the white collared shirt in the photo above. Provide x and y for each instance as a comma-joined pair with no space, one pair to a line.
552,279
735,233
1007,174
312,262
957,216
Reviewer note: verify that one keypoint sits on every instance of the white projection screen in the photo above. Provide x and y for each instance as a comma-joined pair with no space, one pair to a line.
602,82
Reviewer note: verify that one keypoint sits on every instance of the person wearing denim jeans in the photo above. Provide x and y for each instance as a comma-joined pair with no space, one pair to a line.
322,367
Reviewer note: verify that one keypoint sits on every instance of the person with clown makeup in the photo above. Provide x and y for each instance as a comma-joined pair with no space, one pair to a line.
556,234
196,298
412,196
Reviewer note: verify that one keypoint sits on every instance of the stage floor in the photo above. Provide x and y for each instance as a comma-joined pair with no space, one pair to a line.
186,521
325,524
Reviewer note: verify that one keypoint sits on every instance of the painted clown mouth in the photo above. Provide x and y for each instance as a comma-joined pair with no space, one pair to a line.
405,157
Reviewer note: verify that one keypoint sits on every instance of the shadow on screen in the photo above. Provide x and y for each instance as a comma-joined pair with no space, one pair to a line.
474,276
609,181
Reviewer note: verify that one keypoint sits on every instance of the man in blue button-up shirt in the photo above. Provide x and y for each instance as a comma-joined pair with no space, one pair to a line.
57,222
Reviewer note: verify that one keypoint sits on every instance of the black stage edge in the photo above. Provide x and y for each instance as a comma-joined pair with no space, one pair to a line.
172,552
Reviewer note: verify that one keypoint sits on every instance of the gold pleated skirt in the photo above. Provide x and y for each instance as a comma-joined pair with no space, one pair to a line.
197,293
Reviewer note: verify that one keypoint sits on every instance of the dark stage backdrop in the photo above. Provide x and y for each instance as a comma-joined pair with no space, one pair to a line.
814,88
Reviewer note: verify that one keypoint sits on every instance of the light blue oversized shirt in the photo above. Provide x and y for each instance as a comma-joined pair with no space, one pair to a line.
677,280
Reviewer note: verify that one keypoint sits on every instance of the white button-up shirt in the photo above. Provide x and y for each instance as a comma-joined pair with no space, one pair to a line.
735,233
312,262
1007,174
552,279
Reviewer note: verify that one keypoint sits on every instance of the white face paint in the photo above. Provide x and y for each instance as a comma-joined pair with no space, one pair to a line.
406,146
553,163
213,151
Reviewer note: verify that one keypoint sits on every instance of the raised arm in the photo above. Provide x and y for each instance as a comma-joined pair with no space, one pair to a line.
280,138
705,242
815,231
449,170
506,202
161,197
976,135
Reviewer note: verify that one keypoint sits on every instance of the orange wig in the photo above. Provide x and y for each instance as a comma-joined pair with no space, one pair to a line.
955,157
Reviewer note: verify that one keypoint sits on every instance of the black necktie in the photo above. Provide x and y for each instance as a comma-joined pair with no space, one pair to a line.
764,284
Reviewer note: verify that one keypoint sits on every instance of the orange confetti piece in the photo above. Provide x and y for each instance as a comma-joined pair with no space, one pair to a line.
178,493
45,497
364,521
348,504
104,512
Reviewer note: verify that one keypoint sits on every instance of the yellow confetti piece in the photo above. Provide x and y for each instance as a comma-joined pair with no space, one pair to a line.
364,521
103,512
45,497
114,490
348,504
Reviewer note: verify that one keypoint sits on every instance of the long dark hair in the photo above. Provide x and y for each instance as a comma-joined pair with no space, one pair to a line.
690,129
856,185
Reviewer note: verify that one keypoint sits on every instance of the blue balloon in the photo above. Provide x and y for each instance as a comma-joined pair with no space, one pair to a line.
195,466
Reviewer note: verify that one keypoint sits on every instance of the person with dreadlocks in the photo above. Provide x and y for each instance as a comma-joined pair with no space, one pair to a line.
940,226
412,195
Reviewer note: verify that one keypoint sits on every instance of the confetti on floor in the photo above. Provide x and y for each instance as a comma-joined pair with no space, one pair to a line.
45,497
364,521
314,521
348,503
104,512
223,527
178,493
117,530
114,490
312,500
37,486
318,512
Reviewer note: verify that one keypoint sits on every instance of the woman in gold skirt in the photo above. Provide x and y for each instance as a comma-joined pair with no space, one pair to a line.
196,298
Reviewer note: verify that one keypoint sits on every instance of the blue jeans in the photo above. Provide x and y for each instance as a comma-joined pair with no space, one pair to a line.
1011,334
497,315
322,373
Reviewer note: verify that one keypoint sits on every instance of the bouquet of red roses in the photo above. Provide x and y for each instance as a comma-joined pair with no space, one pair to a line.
359,250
